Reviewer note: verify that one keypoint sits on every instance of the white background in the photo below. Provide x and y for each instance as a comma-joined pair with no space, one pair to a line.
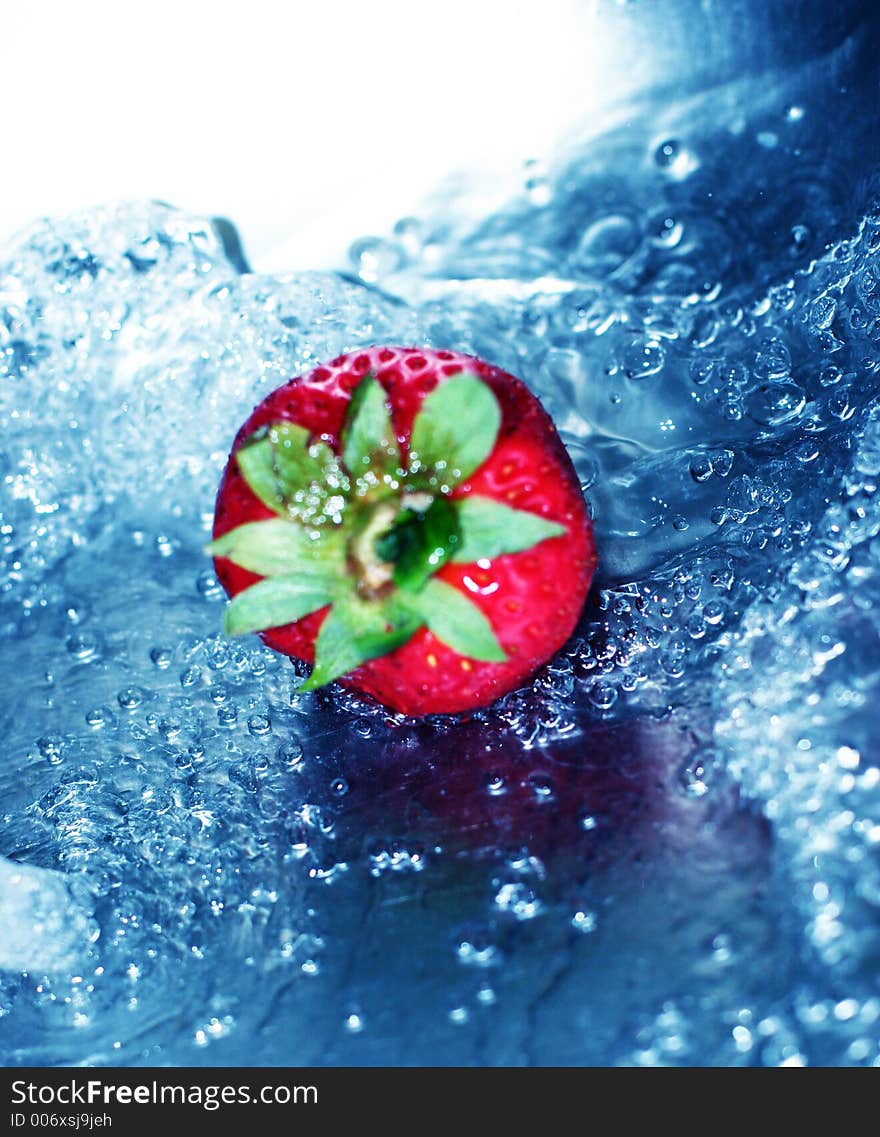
306,123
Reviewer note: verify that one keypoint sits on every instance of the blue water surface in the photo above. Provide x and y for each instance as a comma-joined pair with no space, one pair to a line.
666,849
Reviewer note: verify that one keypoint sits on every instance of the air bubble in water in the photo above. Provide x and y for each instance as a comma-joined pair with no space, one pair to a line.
642,358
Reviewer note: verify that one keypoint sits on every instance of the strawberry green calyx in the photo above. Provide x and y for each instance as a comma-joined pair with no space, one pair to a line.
365,531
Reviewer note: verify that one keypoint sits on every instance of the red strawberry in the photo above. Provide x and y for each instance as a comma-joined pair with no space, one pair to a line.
409,521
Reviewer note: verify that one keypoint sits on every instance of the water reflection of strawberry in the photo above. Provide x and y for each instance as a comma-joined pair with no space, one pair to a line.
474,785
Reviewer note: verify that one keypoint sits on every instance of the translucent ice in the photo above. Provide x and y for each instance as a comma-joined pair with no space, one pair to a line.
45,927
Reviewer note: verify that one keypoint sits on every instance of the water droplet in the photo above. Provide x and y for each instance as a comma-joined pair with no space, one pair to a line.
519,900
208,586
584,921
702,371
227,716
161,657
800,240
190,676
668,233
642,358
701,468
495,784
290,753
477,954
603,696
259,724
130,698
82,646
541,787
51,747
666,153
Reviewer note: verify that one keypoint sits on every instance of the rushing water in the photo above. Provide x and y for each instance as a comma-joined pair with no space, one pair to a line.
666,850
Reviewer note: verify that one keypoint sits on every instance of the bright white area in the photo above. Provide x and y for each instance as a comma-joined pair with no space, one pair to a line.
306,123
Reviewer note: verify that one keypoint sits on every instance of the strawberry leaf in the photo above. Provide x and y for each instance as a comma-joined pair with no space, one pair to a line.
457,622
355,631
489,529
369,445
257,465
280,548
455,431
303,466
420,543
290,475
273,602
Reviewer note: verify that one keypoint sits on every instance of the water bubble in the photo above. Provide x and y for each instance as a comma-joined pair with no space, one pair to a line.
208,586
51,747
82,646
290,753
519,900
477,954
642,358
161,657
668,233
701,468
541,787
772,359
98,717
190,676
603,696
584,921
227,716
722,462
259,724
495,784
666,153
800,239
130,698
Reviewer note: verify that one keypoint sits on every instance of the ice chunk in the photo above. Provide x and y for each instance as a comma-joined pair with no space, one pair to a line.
45,929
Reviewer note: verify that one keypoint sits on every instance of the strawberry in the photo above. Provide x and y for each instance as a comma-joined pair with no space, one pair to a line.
409,522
